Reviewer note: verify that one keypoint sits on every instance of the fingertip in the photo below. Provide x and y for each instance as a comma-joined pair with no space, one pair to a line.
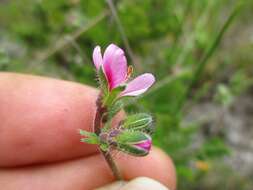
144,183
135,184
157,165
170,178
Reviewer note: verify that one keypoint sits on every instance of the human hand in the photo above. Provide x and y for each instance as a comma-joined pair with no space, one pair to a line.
135,184
39,140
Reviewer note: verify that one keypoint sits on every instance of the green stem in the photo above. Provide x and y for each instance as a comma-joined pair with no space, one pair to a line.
99,120
112,165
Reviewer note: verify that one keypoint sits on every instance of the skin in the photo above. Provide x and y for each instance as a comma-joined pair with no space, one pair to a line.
39,142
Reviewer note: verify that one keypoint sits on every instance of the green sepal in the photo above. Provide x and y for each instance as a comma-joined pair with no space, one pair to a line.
131,137
132,150
90,138
114,109
111,97
103,82
139,121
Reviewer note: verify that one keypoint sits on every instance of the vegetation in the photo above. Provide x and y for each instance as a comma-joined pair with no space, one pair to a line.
196,49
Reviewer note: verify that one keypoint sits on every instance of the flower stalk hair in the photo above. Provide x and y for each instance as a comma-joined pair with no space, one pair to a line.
131,135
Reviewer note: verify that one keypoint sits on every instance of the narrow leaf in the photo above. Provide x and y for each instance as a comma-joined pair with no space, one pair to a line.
86,133
90,140
90,137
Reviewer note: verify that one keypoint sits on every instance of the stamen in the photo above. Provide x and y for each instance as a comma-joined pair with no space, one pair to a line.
130,70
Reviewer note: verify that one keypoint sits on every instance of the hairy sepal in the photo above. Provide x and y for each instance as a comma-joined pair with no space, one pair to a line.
112,96
132,150
138,122
131,137
114,109
103,84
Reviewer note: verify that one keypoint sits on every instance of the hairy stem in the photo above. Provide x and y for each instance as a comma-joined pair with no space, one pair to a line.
112,165
99,120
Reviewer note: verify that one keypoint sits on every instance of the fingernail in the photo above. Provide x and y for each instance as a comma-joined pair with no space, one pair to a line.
144,183
114,186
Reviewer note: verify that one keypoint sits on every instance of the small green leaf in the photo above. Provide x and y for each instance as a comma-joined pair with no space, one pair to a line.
224,95
140,121
90,137
90,140
86,133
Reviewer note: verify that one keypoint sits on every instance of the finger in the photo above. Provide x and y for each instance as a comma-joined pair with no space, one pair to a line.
144,183
157,165
40,118
117,185
135,184
89,173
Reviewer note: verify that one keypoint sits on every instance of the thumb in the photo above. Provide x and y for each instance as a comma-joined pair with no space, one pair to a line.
135,184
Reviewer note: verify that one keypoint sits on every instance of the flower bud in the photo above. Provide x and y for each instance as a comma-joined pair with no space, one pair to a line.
134,142
144,144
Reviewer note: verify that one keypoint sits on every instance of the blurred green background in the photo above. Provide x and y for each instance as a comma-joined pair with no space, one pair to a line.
199,50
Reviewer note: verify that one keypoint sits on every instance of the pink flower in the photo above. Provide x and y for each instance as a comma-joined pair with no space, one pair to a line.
114,65
146,145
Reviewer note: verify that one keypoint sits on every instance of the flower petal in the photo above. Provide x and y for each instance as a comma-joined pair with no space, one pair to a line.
146,145
139,85
115,66
97,57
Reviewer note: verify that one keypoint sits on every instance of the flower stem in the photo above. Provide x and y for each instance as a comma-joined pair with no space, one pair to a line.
112,165
99,120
